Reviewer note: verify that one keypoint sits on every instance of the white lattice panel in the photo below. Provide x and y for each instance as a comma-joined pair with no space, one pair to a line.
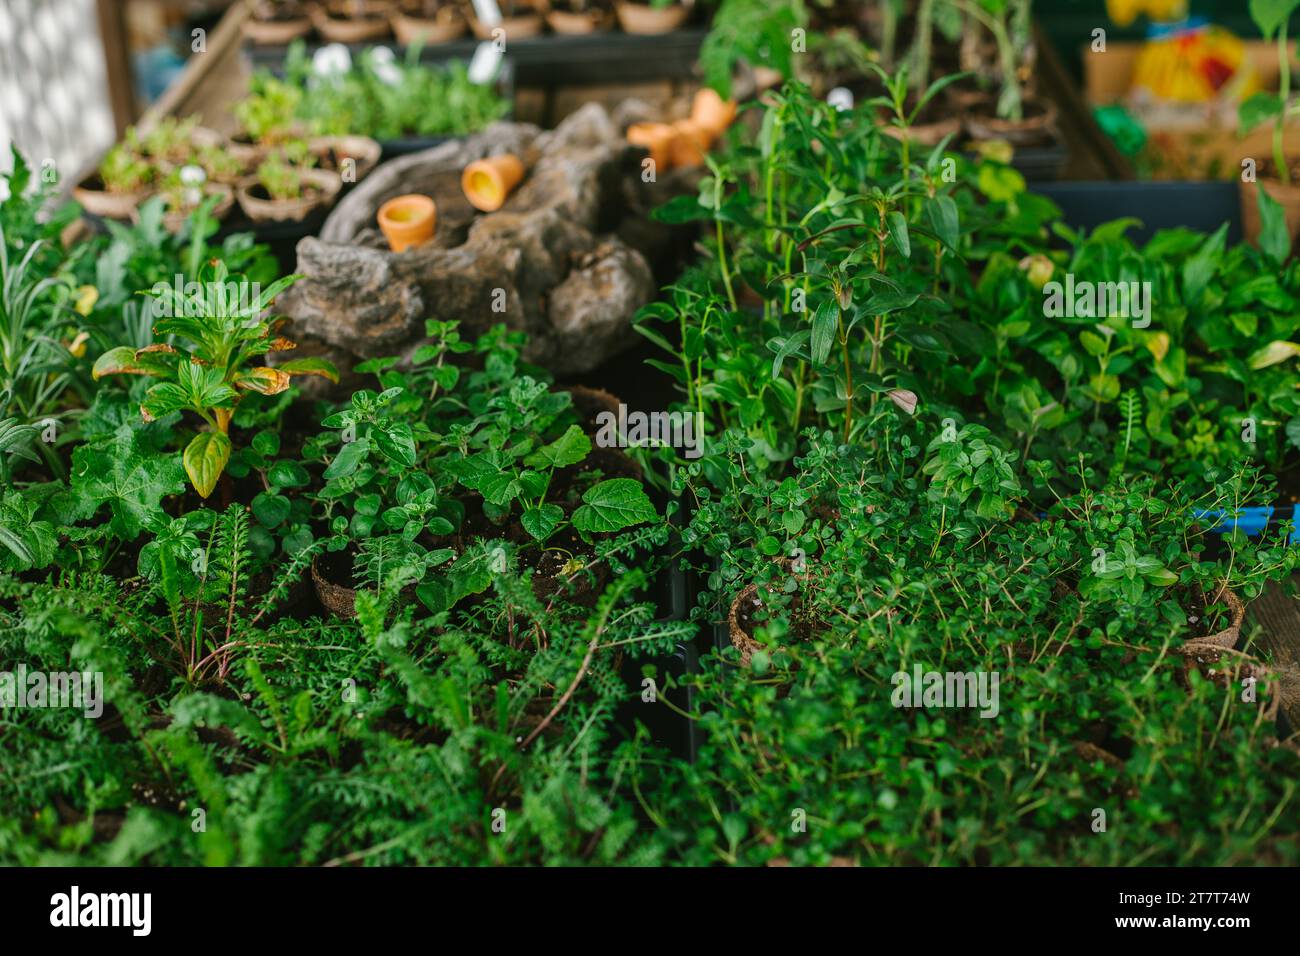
53,85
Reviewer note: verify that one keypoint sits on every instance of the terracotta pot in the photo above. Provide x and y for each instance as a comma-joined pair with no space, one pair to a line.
101,202
362,150
927,134
339,600
1037,126
641,18
324,183
1287,196
578,24
407,221
657,138
516,28
488,182
447,26
711,112
275,32
690,143
373,26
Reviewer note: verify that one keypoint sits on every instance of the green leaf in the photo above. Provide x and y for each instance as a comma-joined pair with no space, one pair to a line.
826,322
1256,109
1093,343
127,478
266,443
1272,354
348,460
310,366
270,509
542,521
944,220
288,474
205,459
897,223
1269,15
613,505
1274,237
569,449
396,443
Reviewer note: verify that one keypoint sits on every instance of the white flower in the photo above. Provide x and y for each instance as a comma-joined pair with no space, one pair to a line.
332,59
193,175
384,65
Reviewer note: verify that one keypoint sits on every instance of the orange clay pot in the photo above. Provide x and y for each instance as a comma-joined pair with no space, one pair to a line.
488,182
690,143
408,221
711,112
657,138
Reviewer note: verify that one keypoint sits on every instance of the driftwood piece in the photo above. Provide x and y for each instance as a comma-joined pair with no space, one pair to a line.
551,262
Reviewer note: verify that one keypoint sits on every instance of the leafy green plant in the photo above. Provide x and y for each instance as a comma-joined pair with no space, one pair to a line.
122,171
221,330
1272,18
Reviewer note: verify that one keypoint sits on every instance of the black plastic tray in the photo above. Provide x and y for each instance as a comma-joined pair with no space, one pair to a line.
554,59
1159,205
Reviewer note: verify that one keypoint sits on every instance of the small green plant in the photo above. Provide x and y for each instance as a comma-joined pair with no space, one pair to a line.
1272,18
123,171
221,329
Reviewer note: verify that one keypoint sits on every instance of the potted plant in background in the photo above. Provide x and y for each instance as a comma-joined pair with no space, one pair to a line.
519,19
123,180
1275,175
276,22
183,190
267,116
352,21
1016,115
334,153
579,17
286,187
654,17
428,21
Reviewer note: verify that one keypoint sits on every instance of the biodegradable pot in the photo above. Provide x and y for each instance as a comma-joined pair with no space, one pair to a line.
338,599
690,143
741,612
645,20
657,138
449,24
1286,195
98,201
487,183
516,28
248,153
275,32
323,185
336,29
407,221
331,151
578,24
711,112
1038,125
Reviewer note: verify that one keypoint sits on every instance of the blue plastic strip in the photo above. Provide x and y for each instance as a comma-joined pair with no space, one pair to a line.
1251,520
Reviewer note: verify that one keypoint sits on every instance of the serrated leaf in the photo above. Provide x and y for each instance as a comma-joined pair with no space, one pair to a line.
569,449
613,505
542,521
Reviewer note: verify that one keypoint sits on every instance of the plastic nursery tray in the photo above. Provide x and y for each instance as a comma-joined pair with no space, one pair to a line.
554,59
1159,205
1255,520
668,728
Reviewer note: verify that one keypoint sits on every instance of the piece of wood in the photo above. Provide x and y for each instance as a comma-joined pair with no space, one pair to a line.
212,80
1278,615
117,62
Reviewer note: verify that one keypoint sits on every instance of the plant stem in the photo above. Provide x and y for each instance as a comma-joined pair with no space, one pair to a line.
1284,94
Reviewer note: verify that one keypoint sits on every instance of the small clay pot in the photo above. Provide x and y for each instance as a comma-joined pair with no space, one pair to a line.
333,150
658,138
712,113
339,600
516,27
578,24
249,154
1287,195
487,183
98,201
448,25
690,144
324,187
1036,127
275,32
372,26
407,221
742,608
643,19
